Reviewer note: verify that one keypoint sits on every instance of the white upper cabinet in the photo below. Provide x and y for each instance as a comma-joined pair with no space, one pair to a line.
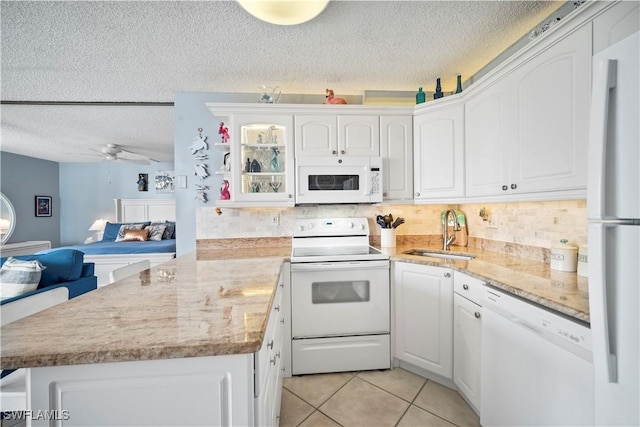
396,150
337,135
551,121
486,141
439,153
528,132
615,24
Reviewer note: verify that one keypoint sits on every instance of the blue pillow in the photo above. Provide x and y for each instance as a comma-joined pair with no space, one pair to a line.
111,229
62,265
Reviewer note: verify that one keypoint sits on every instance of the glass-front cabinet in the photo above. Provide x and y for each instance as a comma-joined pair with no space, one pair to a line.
259,168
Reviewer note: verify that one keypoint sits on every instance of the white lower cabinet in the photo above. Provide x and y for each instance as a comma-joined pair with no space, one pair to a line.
225,390
423,317
467,336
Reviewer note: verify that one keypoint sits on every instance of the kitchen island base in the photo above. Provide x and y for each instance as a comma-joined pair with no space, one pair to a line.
213,391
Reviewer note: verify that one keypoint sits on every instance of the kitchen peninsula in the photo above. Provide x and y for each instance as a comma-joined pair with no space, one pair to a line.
173,345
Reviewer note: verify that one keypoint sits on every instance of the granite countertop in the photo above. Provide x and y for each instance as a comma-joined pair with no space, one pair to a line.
532,280
212,303
216,301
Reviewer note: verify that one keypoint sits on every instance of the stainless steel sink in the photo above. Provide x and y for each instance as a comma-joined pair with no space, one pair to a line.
444,255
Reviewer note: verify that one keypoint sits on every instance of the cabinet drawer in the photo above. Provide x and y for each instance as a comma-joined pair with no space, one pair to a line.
469,287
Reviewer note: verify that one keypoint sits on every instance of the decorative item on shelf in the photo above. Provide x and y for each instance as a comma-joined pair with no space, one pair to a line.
271,136
564,257
255,166
223,131
247,165
275,164
438,93
270,95
226,165
143,180
420,96
165,181
275,183
331,99
198,143
459,84
255,185
259,140
224,190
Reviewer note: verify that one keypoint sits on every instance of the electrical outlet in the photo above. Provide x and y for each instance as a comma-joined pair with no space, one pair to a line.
275,219
493,221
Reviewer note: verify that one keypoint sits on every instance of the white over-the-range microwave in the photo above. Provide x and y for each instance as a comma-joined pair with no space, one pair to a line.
331,180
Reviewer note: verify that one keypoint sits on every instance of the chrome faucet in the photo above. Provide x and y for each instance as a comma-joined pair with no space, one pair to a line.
445,228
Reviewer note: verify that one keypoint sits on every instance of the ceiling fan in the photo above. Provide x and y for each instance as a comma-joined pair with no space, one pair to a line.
113,152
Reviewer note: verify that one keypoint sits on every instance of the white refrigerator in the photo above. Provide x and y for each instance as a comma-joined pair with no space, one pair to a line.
613,211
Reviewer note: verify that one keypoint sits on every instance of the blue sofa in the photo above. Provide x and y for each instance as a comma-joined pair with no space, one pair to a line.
64,267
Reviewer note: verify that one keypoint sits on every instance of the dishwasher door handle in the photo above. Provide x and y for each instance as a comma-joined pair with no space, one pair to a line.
533,328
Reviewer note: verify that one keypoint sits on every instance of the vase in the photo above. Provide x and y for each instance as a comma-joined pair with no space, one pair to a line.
459,84
420,96
438,93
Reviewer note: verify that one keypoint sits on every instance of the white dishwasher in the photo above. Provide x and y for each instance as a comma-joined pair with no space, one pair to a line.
536,366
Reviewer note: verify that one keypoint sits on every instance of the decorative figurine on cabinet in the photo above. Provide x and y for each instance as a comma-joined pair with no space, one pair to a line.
223,131
199,143
224,191
331,99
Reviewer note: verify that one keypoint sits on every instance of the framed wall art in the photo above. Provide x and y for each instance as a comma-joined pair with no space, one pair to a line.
43,206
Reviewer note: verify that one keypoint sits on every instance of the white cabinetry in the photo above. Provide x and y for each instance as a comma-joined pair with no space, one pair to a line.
337,135
617,23
396,150
269,364
486,140
530,129
24,248
260,151
467,336
439,153
423,317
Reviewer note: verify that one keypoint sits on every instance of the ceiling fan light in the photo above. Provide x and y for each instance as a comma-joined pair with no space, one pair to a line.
284,12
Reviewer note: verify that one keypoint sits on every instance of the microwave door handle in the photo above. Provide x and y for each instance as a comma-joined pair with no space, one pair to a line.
367,181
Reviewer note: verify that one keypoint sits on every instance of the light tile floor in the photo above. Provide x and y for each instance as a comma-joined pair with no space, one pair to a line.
372,398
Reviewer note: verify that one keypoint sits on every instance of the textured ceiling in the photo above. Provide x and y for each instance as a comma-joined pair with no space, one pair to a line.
145,51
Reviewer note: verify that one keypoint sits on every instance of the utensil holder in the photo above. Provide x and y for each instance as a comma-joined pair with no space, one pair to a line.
388,237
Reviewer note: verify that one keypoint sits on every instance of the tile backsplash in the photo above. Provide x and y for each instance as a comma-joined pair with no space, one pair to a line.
538,224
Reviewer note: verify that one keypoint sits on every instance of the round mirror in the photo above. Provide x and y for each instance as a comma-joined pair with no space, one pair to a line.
7,218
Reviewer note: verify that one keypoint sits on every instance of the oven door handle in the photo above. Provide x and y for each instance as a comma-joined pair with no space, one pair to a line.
340,265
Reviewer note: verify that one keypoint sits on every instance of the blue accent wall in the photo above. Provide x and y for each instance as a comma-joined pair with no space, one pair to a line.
88,190
21,179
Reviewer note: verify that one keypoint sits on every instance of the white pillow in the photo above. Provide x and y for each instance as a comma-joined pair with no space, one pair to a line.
155,231
18,277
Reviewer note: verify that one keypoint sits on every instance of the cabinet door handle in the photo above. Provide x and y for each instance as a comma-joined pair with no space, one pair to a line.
273,361
417,194
342,152
282,285
278,354
277,308
282,321
505,188
447,275
290,196
334,152
270,345
477,314
514,186
465,287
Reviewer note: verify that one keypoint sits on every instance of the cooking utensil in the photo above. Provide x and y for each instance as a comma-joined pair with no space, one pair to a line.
388,219
380,221
397,222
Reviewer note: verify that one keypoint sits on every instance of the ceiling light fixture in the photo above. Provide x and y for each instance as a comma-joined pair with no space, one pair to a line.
284,12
